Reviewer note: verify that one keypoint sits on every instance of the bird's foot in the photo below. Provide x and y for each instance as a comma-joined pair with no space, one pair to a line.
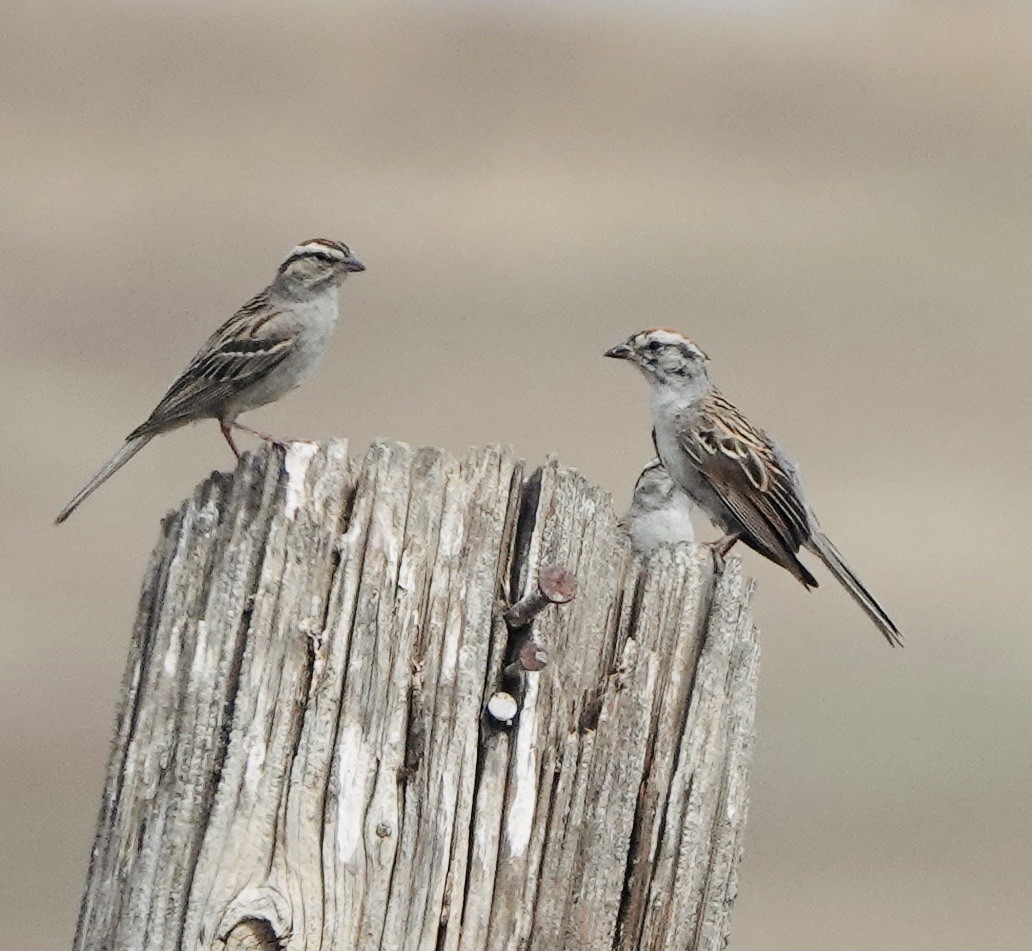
720,548
283,444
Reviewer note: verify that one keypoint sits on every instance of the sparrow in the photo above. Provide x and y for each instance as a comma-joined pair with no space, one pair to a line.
262,352
732,469
660,512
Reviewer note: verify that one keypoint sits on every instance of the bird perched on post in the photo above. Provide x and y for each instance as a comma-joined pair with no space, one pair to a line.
734,471
262,352
660,512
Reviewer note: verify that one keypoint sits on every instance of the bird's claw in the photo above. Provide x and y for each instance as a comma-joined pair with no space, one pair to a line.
720,548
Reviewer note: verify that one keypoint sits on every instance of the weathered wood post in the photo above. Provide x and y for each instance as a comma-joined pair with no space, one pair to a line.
303,757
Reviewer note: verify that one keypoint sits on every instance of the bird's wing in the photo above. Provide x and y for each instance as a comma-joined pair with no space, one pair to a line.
243,350
751,476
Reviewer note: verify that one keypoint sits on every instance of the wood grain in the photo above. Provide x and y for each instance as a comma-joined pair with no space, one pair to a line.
302,758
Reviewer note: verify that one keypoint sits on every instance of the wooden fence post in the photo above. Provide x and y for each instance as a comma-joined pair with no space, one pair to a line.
303,755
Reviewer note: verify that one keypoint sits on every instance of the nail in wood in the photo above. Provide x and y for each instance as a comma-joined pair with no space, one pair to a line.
555,585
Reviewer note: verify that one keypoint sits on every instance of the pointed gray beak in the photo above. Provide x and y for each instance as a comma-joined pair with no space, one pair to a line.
622,352
353,265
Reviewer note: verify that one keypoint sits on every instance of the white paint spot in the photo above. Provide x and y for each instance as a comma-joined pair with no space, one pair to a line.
524,798
353,760
298,457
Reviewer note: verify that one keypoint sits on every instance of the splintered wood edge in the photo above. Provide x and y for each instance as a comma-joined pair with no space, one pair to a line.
261,529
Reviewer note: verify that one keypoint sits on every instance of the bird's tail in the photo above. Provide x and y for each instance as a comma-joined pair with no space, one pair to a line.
119,459
821,546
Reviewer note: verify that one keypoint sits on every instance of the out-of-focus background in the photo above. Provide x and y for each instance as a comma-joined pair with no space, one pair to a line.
835,202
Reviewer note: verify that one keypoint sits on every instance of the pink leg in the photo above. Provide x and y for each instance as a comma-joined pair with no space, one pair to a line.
264,437
226,425
721,547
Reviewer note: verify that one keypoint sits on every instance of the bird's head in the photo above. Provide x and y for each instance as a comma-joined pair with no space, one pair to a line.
654,487
316,262
664,356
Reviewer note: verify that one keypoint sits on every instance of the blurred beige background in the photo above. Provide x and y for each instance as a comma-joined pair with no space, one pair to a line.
838,208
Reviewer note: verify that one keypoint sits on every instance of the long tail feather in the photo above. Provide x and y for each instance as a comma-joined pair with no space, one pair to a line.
119,459
821,546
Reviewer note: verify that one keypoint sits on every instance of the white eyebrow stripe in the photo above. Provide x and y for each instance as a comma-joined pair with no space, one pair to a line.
315,247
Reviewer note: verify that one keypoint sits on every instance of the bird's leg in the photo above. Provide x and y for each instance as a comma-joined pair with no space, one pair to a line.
264,437
226,425
721,547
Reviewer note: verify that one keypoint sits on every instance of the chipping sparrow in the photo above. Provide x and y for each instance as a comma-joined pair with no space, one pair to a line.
660,512
734,471
263,351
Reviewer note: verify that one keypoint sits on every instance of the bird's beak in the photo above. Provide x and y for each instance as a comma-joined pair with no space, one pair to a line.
353,264
622,352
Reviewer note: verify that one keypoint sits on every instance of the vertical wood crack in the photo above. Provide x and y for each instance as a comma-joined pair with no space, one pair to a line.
348,791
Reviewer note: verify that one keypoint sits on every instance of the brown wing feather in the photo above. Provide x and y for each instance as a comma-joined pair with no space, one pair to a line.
753,479
236,355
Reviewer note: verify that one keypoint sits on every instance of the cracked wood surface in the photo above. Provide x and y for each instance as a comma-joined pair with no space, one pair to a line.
302,759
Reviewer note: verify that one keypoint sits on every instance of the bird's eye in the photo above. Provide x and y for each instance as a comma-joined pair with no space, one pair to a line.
652,346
